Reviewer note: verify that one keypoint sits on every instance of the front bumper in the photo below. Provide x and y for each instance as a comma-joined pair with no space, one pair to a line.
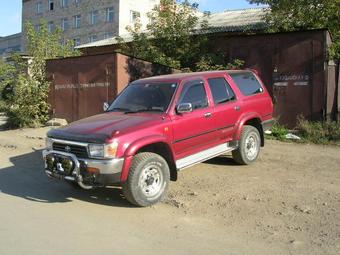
88,173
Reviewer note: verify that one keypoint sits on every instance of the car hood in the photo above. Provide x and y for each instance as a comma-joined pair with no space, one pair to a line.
99,128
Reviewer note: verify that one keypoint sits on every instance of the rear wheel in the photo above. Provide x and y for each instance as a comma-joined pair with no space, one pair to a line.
148,179
249,146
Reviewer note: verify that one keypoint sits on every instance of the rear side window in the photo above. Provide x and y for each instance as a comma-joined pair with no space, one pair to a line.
194,93
221,90
247,83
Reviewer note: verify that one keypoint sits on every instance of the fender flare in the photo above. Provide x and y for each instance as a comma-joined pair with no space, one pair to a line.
133,148
244,119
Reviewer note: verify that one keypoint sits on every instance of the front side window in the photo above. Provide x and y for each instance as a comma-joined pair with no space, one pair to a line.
195,94
145,97
247,83
221,90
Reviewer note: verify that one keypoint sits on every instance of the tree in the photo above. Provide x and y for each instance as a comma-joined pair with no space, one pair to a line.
28,104
289,15
169,38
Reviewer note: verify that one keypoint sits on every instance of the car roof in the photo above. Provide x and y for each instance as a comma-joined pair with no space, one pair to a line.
182,76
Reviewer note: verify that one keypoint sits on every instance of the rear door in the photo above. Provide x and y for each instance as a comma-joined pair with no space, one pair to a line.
227,107
194,131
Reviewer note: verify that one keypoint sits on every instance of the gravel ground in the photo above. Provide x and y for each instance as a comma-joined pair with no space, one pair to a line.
288,202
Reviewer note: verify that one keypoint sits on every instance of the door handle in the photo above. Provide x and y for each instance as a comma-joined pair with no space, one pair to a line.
237,108
208,115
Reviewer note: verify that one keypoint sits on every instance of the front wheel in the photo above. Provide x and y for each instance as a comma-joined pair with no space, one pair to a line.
249,146
148,179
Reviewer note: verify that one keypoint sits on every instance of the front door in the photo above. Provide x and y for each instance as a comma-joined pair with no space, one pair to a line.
193,131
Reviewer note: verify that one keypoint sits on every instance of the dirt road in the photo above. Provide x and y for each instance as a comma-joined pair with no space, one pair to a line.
286,203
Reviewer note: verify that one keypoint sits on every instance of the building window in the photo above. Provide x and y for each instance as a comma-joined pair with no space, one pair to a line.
77,21
37,27
93,38
39,7
64,3
108,35
134,16
109,14
76,42
64,24
51,27
94,17
50,5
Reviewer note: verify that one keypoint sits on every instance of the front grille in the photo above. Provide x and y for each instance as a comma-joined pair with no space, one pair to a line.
78,150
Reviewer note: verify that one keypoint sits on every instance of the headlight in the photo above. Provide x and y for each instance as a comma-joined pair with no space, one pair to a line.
49,143
103,151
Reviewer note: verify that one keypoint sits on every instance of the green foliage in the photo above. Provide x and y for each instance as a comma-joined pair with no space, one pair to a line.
23,83
169,39
30,107
289,15
7,78
3,106
319,132
279,132
216,62
43,45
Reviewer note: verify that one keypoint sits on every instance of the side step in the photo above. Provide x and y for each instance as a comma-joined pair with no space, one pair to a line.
203,156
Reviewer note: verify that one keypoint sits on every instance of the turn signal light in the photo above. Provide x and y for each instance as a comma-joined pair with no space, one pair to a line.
93,170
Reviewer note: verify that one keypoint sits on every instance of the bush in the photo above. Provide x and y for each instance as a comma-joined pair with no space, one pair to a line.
29,107
279,132
3,106
319,132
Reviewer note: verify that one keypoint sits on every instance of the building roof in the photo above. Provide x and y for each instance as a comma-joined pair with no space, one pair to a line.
238,20
227,21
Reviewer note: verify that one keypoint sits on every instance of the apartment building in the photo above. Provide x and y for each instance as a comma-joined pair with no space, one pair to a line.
9,44
85,21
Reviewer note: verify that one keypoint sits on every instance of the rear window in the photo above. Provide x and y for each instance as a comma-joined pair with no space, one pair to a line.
247,83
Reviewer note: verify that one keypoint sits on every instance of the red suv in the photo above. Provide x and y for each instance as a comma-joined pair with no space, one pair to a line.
160,125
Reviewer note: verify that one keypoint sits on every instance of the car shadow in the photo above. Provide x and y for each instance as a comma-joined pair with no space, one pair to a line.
26,179
222,160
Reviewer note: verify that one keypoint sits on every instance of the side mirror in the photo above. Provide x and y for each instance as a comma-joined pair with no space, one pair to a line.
184,108
106,106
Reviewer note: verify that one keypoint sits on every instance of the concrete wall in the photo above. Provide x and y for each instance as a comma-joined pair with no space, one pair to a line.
102,29
141,6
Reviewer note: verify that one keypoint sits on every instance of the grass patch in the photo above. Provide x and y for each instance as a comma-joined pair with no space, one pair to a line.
327,132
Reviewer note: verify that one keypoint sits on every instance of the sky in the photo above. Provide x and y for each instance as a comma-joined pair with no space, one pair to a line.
10,12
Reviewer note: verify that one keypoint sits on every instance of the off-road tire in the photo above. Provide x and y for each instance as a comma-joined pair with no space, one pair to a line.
133,189
240,155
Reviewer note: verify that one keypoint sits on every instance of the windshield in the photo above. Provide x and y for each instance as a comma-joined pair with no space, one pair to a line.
144,97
